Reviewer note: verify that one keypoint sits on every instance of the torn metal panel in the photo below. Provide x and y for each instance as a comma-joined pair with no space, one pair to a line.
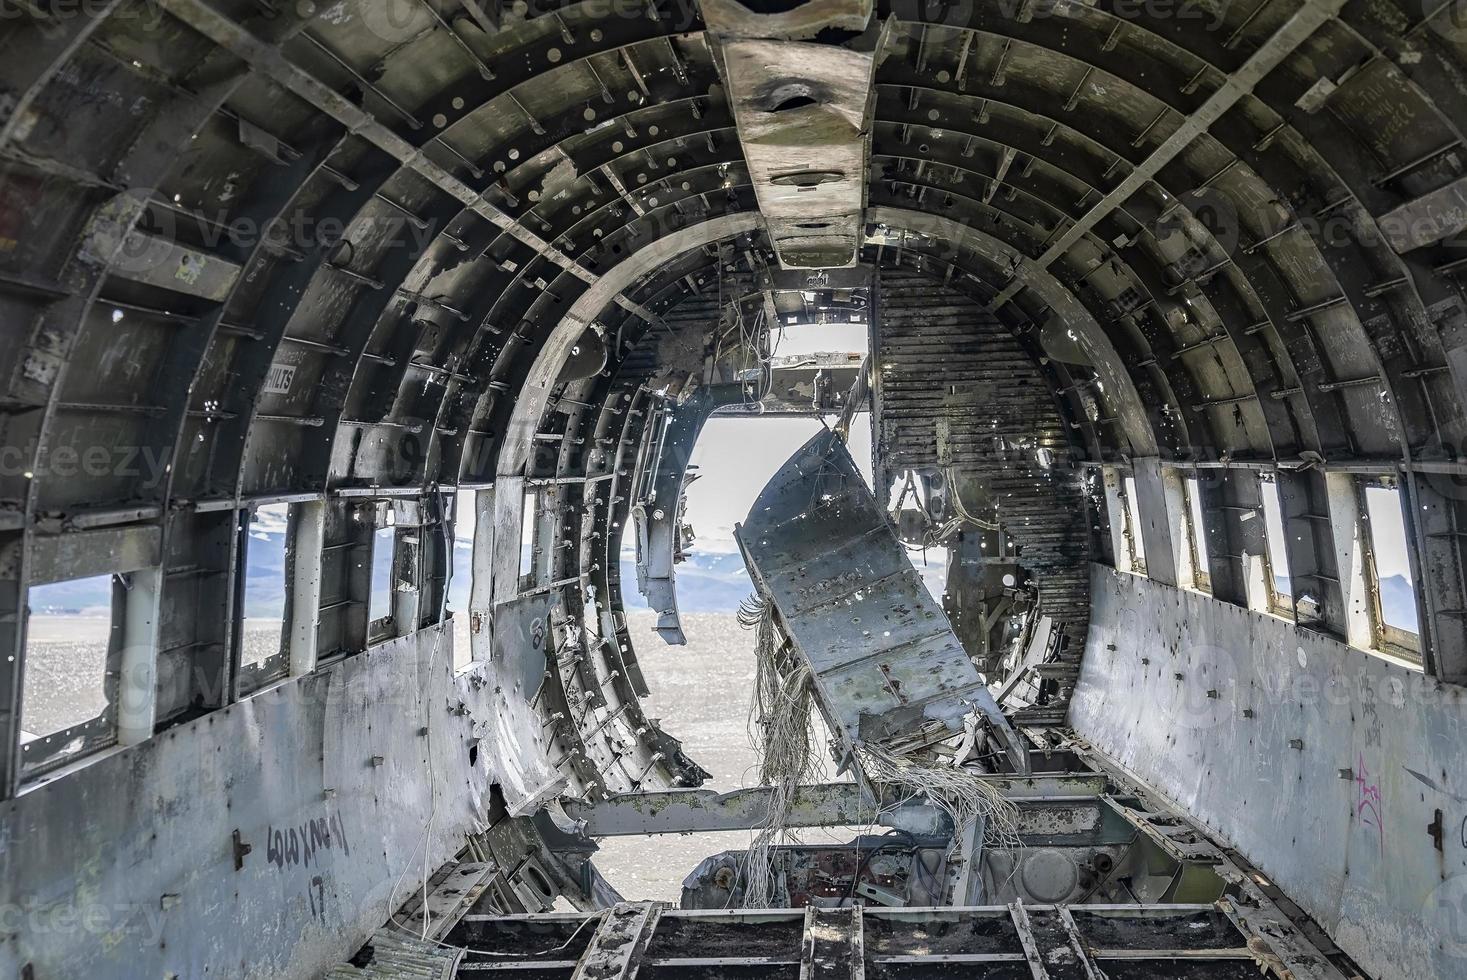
658,510
390,955
515,672
617,949
287,819
884,658
1327,744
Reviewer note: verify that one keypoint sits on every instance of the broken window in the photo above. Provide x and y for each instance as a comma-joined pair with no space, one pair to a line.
1197,537
465,517
262,647
1133,528
72,635
1389,569
379,607
1281,586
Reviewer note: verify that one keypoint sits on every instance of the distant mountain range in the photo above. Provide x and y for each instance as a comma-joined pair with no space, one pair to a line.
712,579
1398,603
709,581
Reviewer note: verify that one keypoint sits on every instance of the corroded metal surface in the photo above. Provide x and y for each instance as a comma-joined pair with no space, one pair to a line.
1326,766
291,815
993,422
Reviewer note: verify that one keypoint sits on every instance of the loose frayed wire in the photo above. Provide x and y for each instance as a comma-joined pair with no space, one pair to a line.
779,728
964,795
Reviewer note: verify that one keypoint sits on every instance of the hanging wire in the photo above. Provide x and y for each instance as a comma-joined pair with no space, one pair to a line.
779,728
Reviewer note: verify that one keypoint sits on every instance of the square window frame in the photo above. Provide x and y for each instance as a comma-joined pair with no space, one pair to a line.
1279,604
1387,639
92,736
1131,511
384,627
252,678
1196,534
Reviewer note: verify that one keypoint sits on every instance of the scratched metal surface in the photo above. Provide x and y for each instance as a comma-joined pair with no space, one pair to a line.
130,871
1331,786
883,654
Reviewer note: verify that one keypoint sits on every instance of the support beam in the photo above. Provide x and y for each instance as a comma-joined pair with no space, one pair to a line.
166,264
1428,219
14,573
1025,929
683,811
305,585
1161,519
1174,489
481,586
1348,535
803,108
1311,15
137,698
1118,519
688,811
616,950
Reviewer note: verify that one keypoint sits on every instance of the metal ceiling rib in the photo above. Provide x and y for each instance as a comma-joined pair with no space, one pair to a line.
1279,45
1054,132
538,243
267,59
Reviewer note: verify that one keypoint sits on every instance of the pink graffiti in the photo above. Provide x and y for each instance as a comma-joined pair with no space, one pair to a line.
1369,805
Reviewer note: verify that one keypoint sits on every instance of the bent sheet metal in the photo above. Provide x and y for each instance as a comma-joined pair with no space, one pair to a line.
885,660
